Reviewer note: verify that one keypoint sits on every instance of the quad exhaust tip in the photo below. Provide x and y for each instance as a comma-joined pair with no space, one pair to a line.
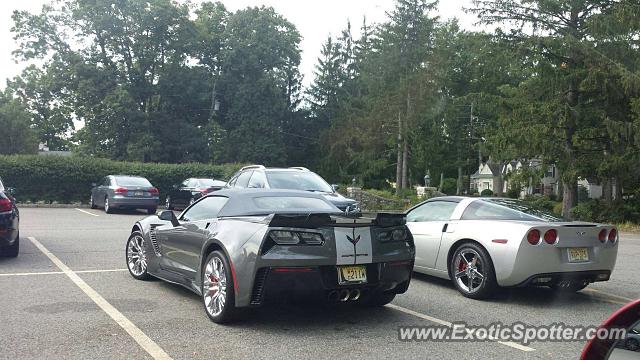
344,295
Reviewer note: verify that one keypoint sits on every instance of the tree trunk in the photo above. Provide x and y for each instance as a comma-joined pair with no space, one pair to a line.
569,197
399,157
405,162
459,182
441,182
607,191
617,193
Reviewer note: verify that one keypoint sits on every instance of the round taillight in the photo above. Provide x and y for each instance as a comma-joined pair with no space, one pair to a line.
551,236
602,235
533,237
613,234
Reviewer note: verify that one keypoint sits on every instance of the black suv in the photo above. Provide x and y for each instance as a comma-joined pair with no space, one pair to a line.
293,178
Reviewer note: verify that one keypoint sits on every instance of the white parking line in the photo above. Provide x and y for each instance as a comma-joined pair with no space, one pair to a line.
141,338
60,272
614,296
86,212
447,323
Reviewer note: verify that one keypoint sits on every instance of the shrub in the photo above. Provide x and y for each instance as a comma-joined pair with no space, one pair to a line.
449,186
69,179
486,192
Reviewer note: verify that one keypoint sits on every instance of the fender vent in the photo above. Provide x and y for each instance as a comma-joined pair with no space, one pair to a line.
154,240
258,286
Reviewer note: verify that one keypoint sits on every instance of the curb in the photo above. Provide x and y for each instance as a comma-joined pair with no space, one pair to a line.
52,206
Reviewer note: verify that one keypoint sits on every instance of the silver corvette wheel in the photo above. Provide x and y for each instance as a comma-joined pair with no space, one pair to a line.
136,256
469,270
214,286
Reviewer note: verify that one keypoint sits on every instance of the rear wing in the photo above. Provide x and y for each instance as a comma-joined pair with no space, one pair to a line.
316,220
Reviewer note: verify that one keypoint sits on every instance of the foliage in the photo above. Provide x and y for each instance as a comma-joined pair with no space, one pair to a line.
598,211
486,192
69,179
16,135
448,186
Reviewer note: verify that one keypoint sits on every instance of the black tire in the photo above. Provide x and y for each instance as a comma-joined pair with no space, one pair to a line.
107,208
145,274
379,299
632,344
152,211
167,203
93,204
487,285
11,250
229,311
573,288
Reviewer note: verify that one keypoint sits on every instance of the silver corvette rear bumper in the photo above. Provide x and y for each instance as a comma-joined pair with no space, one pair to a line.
530,263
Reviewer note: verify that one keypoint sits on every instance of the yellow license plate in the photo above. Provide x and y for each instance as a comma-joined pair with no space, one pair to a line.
578,254
352,274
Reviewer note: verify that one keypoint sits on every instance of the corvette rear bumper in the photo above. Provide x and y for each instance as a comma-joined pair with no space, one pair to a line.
317,282
576,276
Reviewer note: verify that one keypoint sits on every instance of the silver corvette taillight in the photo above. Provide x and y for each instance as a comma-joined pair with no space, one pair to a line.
533,237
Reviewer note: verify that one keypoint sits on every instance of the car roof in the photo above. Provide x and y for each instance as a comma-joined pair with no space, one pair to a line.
241,202
131,176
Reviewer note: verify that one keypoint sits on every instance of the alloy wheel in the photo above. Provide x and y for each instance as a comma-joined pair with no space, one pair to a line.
136,256
469,270
167,203
106,204
214,286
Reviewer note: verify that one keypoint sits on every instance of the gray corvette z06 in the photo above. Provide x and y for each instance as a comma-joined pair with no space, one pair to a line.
237,249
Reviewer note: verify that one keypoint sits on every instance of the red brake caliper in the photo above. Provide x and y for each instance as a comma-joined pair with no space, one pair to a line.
462,266
214,280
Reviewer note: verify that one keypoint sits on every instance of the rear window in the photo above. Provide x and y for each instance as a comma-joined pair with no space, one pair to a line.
507,209
292,202
132,181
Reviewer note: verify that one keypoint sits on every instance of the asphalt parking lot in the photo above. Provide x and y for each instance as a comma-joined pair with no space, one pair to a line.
68,295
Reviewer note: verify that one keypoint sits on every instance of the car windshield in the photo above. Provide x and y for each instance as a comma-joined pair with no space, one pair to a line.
297,180
132,181
292,203
507,209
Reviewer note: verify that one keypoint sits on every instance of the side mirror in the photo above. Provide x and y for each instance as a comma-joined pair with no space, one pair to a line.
335,187
168,215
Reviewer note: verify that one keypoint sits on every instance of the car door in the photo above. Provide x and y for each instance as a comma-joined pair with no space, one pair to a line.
427,223
101,191
181,245
183,193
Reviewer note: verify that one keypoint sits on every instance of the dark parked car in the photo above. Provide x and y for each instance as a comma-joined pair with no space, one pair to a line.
191,190
294,178
238,249
125,192
9,223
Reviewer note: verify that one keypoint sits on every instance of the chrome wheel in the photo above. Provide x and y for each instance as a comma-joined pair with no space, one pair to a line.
214,286
136,256
167,203
106,204
469,270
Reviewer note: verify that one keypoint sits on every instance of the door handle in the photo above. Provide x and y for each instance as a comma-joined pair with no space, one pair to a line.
444,228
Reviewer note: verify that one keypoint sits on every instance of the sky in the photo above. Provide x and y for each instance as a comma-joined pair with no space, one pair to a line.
315,20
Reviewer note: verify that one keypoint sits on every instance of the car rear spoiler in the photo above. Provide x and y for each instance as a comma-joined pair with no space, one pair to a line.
316,220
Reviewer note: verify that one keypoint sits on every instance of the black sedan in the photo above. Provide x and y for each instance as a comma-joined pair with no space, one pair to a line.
238,249
191,190
9,223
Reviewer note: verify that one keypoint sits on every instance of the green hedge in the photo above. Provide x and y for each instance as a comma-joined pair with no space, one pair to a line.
68,179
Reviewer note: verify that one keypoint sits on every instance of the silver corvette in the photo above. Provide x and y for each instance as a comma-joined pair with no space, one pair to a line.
485,243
